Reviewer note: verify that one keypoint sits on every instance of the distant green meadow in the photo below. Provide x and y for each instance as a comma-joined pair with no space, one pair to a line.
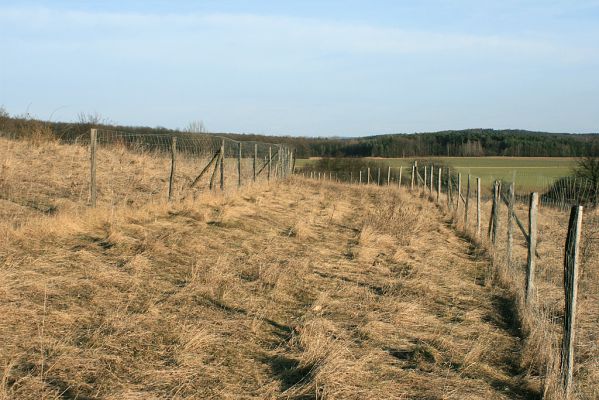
531,173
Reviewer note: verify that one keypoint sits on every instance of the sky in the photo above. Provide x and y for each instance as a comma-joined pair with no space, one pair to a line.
305,67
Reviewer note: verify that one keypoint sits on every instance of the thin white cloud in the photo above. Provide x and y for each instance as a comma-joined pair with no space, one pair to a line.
280,33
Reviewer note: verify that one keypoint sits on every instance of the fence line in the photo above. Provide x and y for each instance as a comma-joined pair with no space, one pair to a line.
113,168
505,193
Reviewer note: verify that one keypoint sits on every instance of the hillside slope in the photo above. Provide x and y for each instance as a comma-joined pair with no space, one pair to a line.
298,290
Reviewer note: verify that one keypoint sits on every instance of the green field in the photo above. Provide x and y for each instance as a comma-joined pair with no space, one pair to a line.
532,173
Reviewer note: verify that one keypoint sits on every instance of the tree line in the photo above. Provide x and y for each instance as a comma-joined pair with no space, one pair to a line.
459,143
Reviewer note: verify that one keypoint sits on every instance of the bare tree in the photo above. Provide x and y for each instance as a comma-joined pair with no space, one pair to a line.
588,168
196,127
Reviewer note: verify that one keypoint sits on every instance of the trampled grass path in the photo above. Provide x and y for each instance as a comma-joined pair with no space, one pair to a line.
302,290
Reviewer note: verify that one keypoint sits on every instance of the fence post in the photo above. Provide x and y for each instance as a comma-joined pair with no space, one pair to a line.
570,291
255,158
449,189
478,207
413,176
93,141
467,202
389,175
399,180
239,166
171,180
457,209
270,164
439,185
532,246
430,189
368,177
360,181
425,177
378,179
491,230
510,224
222,165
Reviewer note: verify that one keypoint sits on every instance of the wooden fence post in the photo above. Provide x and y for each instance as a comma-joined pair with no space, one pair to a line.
399,180
93,142
413,176
378,179
360,181
171,180
467,202
478,207
431,184
457,209
222,165
532,246
389,175
449,189
425,177
570,291
255,158
368,177
491,230
219,155
510,224
239,165
439,185
270,164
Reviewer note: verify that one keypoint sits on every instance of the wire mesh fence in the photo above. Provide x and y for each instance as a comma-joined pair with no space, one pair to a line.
130,170
560,192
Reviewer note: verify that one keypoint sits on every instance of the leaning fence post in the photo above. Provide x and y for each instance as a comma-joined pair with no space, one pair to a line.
532,246
222,165
171,180
93,141
570,291
239,165
478,207
510,224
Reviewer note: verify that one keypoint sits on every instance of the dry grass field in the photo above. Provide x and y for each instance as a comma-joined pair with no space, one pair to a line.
289,290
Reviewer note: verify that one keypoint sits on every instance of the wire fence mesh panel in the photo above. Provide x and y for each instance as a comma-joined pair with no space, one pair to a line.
41,179
130,170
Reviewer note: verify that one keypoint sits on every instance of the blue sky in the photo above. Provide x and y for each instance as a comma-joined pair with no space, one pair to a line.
315,68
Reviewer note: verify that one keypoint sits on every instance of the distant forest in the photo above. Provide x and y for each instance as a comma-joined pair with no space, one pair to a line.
468,142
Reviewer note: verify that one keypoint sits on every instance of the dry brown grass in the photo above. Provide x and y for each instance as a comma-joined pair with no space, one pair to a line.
292,290
541,323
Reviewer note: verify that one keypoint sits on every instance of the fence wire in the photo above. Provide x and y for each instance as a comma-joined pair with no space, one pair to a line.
131,169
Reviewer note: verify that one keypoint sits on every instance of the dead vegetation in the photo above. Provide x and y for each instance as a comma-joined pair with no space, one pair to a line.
296,290
541,323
